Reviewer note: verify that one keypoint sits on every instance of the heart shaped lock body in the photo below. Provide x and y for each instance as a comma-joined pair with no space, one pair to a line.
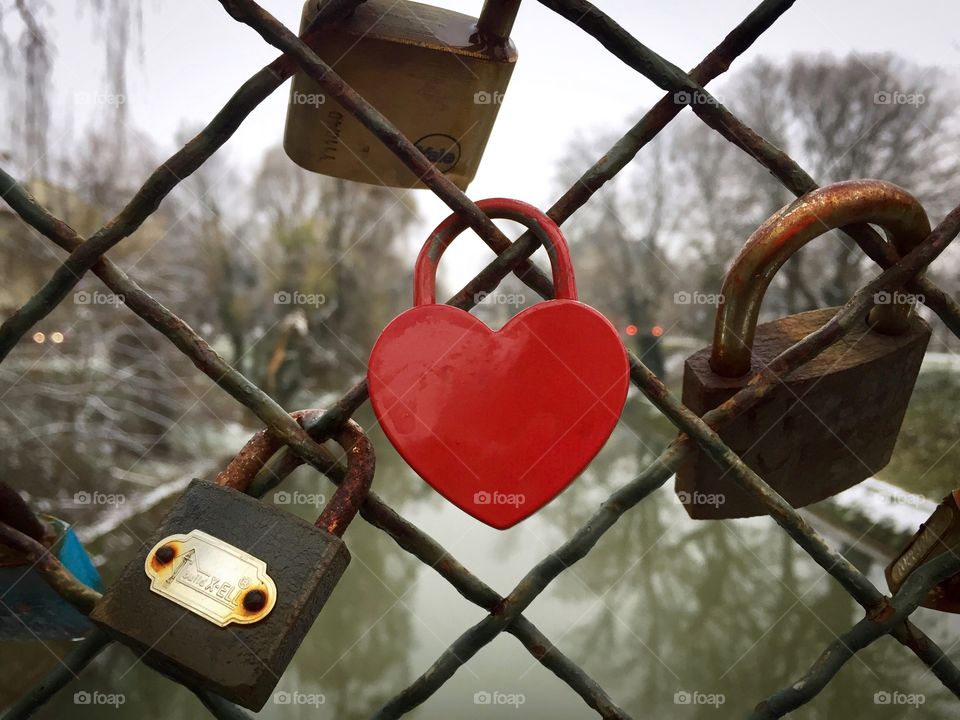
498,422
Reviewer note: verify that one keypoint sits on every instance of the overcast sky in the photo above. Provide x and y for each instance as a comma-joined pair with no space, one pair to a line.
565,84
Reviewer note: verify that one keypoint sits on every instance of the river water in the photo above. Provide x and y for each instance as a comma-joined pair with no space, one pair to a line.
674,618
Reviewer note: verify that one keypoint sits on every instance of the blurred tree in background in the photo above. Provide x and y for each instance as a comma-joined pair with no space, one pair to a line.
27,54
291,275
673,221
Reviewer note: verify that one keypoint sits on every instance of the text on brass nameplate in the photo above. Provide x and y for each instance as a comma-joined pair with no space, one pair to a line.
211,578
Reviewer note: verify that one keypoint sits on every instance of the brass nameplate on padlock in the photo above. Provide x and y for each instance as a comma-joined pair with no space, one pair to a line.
211,578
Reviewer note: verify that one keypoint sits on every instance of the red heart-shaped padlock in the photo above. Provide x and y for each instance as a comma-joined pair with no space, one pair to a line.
498,422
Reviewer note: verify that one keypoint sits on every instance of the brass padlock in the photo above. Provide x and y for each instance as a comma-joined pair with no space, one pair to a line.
835,420
224,592
438,75
936,536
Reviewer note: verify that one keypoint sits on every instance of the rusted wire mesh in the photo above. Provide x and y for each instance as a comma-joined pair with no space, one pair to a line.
883,615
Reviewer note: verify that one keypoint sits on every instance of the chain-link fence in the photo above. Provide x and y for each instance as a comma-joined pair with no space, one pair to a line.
883,615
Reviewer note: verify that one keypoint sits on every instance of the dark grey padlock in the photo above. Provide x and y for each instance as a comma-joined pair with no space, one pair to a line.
224,592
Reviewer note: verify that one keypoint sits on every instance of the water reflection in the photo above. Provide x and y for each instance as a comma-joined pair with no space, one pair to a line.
661,607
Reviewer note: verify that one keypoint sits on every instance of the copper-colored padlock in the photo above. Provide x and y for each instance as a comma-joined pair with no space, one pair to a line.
935,537
835,420
438,75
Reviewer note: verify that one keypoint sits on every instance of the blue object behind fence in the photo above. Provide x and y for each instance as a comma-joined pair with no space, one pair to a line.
29,608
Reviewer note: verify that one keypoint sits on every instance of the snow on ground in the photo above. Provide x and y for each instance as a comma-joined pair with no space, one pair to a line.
888,504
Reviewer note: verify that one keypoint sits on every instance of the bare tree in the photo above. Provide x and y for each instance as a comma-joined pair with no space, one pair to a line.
687,203
26,55
619,244
861,116
330,271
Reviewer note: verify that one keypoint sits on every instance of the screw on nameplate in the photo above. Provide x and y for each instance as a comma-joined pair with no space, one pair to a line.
211,578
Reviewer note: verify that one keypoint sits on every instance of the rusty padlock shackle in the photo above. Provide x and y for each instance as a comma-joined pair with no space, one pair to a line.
546,230
793,226
350,494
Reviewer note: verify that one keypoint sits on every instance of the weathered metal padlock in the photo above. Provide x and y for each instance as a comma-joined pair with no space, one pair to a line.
30,609
438,75
834,421
224,592
936,536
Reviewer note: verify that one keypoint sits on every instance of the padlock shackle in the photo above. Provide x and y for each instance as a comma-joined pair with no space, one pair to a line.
793,226
496,20
546,230
351,492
